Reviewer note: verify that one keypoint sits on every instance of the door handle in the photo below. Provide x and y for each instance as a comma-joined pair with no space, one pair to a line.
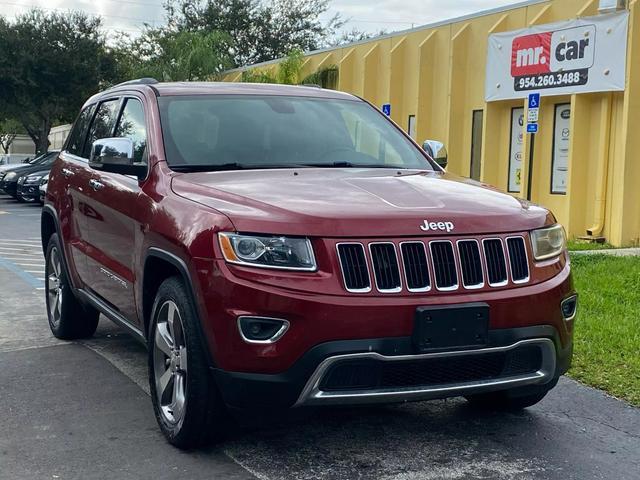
67,173
96,185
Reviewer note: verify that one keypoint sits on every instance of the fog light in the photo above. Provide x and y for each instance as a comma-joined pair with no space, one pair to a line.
569,307
262,329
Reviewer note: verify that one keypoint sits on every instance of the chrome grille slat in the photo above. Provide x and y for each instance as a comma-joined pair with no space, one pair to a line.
470,264
386,269
518,260
444,265
495,261
355,271
416,266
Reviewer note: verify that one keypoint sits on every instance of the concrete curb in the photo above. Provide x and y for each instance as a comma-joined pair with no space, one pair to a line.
614,252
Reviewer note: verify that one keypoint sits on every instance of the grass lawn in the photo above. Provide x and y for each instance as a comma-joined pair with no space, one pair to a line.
607,330
577,245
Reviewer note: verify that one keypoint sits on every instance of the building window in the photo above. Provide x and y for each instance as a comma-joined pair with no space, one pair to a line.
476,144
411,126
515,150
560,154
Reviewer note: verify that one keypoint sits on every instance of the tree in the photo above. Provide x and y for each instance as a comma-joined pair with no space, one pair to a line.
174,56
260,31
50,64
352,36
9,130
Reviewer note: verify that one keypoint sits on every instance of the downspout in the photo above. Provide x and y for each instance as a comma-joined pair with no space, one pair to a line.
603,168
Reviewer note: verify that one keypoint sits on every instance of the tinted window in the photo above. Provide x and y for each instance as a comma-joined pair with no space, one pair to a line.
103,123
79,132
277,131
131,125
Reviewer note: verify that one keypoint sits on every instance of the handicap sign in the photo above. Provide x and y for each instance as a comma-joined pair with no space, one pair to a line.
534,100
532,128
386,109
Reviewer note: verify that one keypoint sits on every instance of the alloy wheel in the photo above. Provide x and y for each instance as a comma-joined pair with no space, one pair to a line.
55,287
170,363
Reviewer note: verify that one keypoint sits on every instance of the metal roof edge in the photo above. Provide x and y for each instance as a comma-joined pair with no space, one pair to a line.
429,26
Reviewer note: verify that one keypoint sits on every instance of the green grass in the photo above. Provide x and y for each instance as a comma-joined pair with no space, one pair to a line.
577,245
607,330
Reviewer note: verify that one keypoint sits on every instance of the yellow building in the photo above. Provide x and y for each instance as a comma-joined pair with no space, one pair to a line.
585,161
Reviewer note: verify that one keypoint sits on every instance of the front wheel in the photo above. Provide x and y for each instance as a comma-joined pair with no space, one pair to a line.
187,405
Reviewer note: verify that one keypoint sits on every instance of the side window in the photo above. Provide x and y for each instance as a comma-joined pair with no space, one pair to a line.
131,125
102,126
79,132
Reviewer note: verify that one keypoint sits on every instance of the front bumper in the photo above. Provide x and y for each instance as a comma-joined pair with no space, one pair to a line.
9,188
302,384
30,193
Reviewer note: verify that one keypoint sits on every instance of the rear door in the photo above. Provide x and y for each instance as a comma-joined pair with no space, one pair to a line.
112,229
69,196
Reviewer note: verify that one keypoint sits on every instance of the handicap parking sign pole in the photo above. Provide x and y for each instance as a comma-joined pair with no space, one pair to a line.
534,104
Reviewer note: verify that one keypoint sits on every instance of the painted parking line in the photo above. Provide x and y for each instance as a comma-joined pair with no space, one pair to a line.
31,280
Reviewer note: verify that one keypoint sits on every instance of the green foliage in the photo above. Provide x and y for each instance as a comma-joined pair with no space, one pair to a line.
607,330
326,77
289,69
50,64
174,56
261,30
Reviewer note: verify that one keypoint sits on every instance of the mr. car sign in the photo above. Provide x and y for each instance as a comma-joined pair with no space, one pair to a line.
582,55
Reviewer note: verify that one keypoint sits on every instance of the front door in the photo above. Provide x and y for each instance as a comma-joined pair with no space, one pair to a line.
114,225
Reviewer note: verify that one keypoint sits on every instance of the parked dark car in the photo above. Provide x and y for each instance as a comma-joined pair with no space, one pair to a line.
28,189
42,189
280,246
9,177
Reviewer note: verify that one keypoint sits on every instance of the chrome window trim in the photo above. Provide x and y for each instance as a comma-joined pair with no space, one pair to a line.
395,252
424,247
482,264
366,261
526,256
312,395
507,268
277,336
456,261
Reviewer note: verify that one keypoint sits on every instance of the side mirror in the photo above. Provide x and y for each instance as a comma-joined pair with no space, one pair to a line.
115,155
437,151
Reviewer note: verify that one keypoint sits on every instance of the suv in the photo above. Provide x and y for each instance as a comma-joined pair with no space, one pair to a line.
279,246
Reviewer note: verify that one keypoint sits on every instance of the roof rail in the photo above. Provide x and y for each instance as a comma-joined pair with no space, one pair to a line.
138,81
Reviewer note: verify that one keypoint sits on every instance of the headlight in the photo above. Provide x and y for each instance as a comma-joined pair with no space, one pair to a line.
268,251
10,176
33,179
548,242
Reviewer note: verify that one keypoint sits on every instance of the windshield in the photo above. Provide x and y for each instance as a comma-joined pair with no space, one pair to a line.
45,159
233,132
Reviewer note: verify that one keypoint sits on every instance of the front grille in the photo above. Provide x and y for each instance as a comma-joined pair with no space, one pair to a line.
496,264
470,263
518,259
354,267
385,267
376,374
479,263
444,265
416,268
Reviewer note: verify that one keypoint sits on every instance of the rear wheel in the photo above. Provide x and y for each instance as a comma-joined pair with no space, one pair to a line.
68,318
508,400
187,405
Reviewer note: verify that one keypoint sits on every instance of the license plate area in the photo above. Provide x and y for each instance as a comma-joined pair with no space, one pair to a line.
451,327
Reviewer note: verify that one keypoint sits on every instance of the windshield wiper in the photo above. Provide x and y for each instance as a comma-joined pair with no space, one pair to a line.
235,166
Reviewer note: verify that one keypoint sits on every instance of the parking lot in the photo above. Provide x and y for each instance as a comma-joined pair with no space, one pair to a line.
81,410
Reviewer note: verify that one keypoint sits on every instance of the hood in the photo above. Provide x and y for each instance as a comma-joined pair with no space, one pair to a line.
15,167
358,202
29,169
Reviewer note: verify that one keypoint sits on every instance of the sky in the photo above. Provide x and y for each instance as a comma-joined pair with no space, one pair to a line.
364,15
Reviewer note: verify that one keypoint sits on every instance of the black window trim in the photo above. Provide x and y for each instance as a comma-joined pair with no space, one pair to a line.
65,149
93,117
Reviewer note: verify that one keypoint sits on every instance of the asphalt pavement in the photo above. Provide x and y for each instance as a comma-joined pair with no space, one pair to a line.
80,410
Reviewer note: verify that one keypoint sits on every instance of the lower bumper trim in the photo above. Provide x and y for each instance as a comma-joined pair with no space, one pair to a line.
313,393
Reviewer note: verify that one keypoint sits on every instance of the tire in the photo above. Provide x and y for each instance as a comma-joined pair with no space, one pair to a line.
186,402
508,400
68,318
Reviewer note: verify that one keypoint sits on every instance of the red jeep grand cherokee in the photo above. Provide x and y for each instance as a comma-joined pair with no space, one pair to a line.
282,246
